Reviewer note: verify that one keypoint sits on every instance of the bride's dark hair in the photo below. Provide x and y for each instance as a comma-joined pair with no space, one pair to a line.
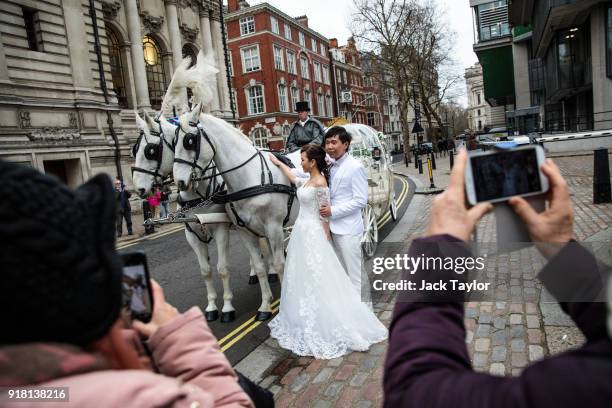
317,153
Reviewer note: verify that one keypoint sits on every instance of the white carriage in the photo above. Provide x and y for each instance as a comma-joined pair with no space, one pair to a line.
369,147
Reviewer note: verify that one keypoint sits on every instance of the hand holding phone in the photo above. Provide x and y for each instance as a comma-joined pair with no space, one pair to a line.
136,286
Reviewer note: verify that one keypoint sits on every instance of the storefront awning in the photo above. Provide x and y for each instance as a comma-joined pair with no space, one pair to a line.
498,75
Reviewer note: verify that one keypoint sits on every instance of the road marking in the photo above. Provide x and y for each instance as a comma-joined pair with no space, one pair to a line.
229,340
249,321
159,235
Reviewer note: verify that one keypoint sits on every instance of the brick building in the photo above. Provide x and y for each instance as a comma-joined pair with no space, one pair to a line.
347,76
375,97
276,61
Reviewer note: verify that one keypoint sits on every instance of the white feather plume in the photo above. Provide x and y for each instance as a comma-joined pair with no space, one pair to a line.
142,125
202,79
176,94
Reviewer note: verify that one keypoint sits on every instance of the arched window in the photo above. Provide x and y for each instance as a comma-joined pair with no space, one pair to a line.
260,137
154,66
116,66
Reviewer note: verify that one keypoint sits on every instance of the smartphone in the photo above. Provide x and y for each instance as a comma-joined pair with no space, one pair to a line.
136,286
498,175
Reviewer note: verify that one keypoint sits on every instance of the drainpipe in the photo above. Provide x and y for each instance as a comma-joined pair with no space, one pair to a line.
226,56
109,118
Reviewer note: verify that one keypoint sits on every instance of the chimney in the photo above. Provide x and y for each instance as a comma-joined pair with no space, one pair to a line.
333,43
302,20
232,5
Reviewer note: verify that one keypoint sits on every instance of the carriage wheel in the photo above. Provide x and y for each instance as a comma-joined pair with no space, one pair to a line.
393,209
369,240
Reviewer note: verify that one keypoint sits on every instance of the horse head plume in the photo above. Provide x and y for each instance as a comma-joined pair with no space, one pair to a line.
202,79
140,123
176,95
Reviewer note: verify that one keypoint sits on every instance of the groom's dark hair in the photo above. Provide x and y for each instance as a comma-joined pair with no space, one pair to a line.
343,135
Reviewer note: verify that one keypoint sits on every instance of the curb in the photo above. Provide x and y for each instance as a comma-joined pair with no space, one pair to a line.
260,362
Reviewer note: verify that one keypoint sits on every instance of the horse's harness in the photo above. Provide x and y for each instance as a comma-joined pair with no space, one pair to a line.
192,142
153,151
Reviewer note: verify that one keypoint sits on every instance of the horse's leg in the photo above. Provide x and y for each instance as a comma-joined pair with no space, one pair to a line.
221,234
252,245
253,279
201,251
267,256
276,238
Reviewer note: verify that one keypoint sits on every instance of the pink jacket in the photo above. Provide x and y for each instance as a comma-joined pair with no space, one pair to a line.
154,199
195,373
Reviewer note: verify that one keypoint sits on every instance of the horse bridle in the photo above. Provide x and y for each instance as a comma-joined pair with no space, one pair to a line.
152,151
192,142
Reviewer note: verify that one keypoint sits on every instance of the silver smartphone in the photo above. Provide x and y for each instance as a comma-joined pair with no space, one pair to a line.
498,175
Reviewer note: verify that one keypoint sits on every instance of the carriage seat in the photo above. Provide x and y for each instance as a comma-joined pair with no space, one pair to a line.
283,158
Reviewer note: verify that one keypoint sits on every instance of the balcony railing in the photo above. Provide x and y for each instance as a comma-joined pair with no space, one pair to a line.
494,31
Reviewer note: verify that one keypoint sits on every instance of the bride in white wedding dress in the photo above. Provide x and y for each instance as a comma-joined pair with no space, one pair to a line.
321,314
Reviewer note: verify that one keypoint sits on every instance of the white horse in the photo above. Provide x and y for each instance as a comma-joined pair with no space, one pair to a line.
203,138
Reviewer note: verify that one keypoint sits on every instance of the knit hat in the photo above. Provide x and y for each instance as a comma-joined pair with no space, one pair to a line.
60,273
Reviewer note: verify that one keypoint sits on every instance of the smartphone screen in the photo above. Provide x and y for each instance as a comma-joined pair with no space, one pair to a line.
136,286
505,174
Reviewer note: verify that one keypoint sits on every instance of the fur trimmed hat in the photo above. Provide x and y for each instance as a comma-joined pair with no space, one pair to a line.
61,275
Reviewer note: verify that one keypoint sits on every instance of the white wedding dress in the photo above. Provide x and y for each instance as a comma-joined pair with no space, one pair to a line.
321,313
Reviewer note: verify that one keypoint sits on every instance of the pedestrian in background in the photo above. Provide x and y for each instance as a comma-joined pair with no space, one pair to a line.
164,201
154,199
124,209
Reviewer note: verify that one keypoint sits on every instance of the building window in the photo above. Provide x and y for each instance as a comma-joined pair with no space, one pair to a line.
288,32
313,45
274,24
321,104
231,62
479,125
304,67
317,71
291,62
279,63
326,74
247,25
371,119
307,97
295,97
116,66
493,20
282,98
302,39
338,75
478,112
323,50
330,108
478,96
154,67
250,59
260,137
344,79
32,26
256,100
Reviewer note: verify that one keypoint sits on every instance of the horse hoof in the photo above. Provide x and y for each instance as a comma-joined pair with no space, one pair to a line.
228,317
253,280
273,278
262,316
212,315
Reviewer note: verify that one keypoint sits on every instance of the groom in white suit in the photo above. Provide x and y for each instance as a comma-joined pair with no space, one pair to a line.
349,195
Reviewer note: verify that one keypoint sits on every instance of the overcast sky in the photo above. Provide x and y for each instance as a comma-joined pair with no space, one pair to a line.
332,19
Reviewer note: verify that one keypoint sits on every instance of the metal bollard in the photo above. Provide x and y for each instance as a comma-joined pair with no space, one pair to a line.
429,168
433,161
420,164
146,214
451,158
602,192
416,161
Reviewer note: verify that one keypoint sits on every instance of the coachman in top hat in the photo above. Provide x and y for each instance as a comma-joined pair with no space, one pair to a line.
306,130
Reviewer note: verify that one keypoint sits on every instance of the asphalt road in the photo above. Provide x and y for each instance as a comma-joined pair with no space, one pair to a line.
174,265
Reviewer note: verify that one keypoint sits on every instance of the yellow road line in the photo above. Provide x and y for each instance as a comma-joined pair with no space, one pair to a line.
161,234
385,219
247,331
249,321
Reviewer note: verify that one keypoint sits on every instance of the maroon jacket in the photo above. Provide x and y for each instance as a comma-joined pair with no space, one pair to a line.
428,364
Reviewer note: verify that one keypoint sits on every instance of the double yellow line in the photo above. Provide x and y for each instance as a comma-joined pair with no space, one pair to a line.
248,326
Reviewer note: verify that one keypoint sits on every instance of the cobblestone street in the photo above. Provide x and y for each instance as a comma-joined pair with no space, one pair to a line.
503,336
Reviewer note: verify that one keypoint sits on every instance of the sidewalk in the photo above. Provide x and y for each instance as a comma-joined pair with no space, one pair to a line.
502,336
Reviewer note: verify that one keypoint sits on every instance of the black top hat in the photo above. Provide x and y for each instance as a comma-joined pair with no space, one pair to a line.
302,106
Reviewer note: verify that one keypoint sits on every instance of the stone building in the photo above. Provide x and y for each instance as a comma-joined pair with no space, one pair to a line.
479,111
277,60
54,112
